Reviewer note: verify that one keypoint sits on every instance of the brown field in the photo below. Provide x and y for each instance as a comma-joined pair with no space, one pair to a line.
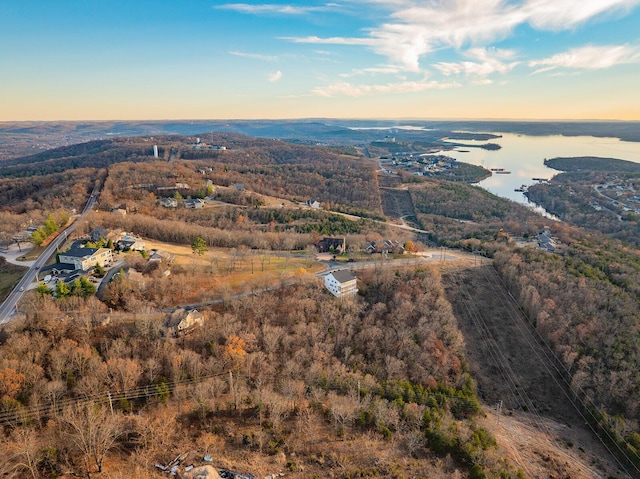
10,274
222,272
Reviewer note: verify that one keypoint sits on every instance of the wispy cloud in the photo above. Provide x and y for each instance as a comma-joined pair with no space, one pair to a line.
275,76
254,56
379,70
273,9
415,28
589,58
567,14
349,89
331,40
487,62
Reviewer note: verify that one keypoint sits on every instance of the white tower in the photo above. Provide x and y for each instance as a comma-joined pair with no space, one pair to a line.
155,151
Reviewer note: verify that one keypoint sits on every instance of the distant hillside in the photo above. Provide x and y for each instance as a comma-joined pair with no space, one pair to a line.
593,163
22,138
269,167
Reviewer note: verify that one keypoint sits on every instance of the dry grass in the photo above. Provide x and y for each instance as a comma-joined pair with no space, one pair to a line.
222,272
10,274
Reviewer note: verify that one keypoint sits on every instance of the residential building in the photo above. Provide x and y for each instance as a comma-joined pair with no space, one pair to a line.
341,283
385,247
131,244
194,203
332,245
169,202
181,321
85,258
98,233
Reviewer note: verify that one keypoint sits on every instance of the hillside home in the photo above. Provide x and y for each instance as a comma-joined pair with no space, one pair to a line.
159,255
131,244
182,321
341,283
85,258
194,203
332,245
385,247
313,204
98,233
169,202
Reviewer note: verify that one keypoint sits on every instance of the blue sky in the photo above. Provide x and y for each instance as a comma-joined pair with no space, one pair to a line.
195,59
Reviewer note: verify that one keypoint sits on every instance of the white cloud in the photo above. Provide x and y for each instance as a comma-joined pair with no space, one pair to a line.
379,70
330,40
589,58
567,14
273,9
488,61
415,28
275,76
349,89
254,56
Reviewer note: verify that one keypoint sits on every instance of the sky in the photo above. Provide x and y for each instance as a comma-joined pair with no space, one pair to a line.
426,59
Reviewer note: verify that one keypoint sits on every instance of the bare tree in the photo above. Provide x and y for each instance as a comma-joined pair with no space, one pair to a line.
93,431
20,454
343,409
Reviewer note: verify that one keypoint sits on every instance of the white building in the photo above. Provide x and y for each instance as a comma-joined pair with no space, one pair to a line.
341,283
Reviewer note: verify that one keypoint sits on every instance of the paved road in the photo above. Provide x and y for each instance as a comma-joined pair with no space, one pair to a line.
8,307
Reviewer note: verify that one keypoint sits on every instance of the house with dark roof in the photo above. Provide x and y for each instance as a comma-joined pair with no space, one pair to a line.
85,258
169,202
131,244
341,283
98,233
385,247
56,270
332,245
194,203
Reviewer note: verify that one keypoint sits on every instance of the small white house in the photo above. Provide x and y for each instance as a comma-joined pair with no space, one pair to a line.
341,283
194,203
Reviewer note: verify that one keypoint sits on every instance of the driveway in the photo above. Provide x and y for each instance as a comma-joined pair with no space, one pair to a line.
14,253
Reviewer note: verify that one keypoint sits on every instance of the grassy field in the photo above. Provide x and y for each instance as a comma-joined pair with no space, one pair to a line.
221,272
10,274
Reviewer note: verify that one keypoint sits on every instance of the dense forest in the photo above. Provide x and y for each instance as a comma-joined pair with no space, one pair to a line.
295,374
454,212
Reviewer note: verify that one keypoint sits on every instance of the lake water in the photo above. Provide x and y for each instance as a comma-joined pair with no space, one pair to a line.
524,156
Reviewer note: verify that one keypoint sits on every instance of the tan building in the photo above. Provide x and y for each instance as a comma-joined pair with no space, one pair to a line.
86,258
181,321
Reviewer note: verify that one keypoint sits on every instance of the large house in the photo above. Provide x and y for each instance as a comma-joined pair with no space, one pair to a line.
332,245
169,202
182,321
85,258
131,244
194,203
384,247
341,283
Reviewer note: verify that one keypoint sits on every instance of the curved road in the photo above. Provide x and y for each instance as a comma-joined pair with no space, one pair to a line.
8,307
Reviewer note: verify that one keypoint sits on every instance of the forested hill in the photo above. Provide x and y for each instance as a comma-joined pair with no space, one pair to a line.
593,163
270,167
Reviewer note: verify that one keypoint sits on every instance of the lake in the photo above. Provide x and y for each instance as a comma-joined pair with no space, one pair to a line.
524,155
